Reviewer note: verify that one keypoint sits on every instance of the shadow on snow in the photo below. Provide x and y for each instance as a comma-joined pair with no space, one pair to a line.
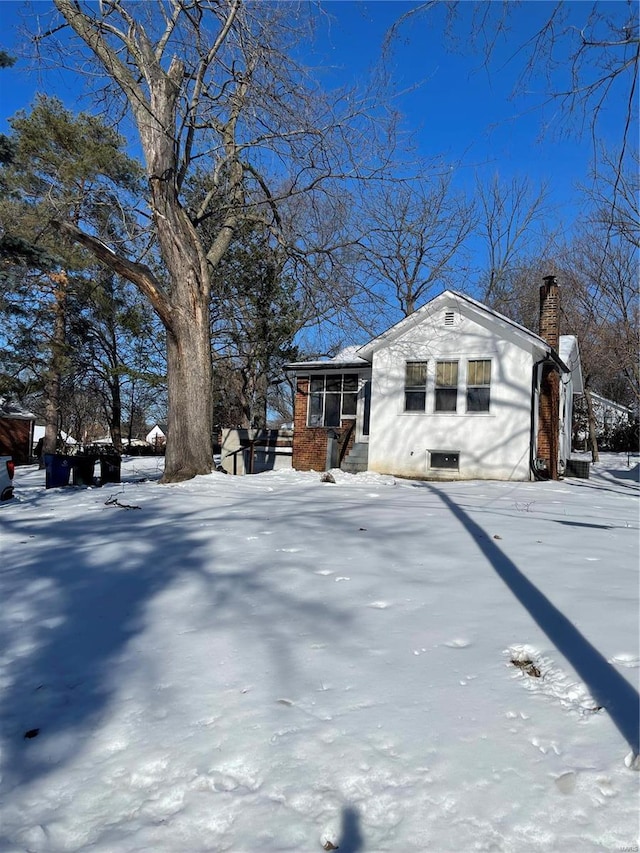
350,838
73,610
610,689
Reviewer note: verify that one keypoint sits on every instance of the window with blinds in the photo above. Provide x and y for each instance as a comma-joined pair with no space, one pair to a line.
446,386
415,386
478,385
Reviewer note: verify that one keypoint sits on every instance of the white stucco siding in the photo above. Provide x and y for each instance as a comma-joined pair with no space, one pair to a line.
493,445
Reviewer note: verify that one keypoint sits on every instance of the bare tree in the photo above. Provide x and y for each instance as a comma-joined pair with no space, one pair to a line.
511,220
604,260
609,302
414,231
599,305
585,54
613,197
588,64
213,85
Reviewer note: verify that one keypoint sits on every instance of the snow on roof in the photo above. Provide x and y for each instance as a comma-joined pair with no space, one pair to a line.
362,355
13,410
570,355
346,356
611,404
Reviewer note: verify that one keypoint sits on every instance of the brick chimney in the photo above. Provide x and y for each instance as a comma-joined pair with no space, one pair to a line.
550,311
549,403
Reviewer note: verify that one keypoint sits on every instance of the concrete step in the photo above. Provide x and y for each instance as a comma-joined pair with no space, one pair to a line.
359,451
354,467
357,459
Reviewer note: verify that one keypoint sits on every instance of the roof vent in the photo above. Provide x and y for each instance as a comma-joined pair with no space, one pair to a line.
449,318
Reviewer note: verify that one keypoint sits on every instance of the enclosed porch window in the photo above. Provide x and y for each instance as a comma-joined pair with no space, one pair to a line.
332,398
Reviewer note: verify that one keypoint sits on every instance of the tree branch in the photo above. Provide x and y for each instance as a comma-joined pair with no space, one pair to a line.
138,274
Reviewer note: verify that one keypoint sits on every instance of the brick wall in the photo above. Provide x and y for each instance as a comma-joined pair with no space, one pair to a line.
548,419
550,311
15,439
310,443
549,414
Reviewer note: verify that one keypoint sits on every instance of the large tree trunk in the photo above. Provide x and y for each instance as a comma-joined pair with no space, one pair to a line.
182,304
115,426
190,398
189,368
184,313
54,373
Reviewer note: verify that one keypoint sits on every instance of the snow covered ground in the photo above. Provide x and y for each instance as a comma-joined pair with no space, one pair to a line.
273,663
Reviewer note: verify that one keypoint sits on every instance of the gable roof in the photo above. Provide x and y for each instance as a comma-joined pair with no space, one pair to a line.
158,429
567,359
611,404
452,297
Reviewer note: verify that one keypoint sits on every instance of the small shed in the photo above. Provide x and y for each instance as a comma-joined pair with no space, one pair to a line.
16,431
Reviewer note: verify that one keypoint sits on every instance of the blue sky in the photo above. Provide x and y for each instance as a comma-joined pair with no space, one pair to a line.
456,107
467,112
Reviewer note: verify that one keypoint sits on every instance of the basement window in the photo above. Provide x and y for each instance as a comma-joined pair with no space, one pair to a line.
445,459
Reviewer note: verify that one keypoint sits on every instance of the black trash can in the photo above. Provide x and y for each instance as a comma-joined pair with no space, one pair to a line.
578,468
57,469
110,469
83,468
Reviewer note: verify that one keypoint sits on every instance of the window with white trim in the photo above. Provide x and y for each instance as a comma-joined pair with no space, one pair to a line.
332,398
478,385
415,386
446,386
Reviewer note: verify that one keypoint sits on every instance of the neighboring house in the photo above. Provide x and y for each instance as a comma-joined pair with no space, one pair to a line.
613,424
454,391
157,436
38,436
608,414
16,431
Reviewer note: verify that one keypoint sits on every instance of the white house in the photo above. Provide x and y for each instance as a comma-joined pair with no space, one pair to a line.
38,433
157,435
454,391
608,414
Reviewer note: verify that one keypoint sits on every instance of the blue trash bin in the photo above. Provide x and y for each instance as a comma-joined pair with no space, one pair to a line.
57,470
